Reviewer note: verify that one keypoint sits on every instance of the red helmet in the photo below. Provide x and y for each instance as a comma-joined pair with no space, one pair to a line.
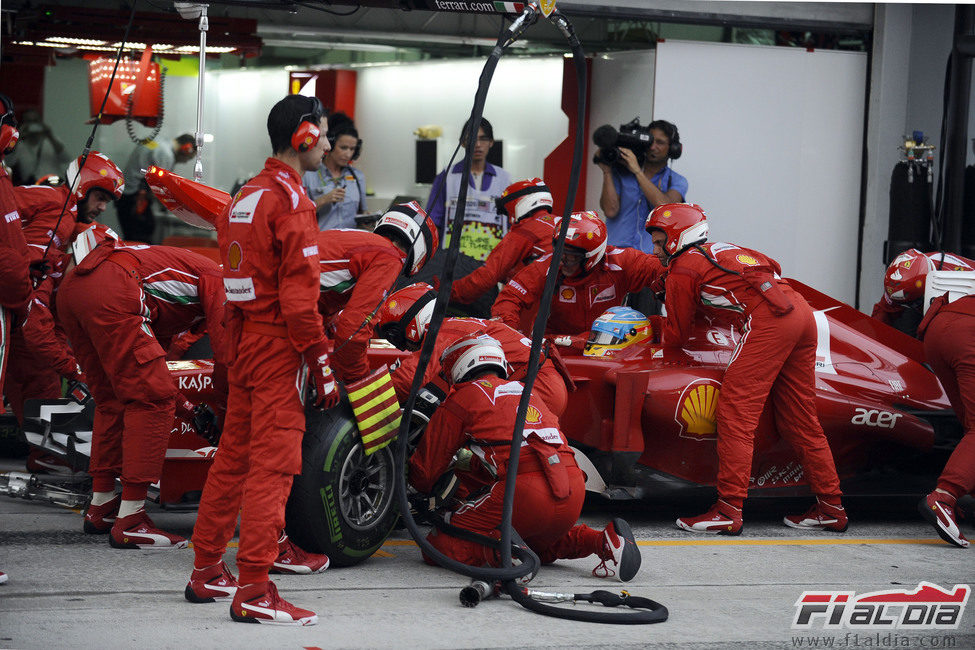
409,224
683,224
906,276
99,172
523,199
404,317
586,232
472,353
8,126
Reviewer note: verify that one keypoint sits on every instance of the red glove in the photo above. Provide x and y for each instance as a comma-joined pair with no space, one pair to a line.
326,392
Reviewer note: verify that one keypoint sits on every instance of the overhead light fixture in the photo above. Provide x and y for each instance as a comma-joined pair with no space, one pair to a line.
353,36
319,45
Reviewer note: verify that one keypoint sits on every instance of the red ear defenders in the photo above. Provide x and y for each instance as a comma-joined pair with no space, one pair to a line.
308,132
8,126
187,148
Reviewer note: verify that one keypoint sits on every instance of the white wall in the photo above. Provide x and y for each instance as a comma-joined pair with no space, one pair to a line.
772,149
523,106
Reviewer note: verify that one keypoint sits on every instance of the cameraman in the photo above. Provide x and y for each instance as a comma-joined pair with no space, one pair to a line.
632,188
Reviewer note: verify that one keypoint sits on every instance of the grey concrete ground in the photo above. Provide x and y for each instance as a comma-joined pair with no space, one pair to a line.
70,590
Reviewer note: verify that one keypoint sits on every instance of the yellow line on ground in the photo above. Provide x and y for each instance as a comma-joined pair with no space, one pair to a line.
787,542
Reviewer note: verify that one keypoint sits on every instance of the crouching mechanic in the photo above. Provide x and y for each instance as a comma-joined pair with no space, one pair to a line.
358,268
948,332
774,362
268,245
592,278
531,226
405,317
476,421
120,308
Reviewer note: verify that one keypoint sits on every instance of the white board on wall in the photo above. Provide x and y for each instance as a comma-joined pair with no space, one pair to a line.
622,88
523,106
772,149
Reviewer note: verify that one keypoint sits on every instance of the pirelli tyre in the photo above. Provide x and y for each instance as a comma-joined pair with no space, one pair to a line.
343,503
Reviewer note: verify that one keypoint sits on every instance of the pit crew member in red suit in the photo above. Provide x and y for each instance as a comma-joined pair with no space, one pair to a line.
15,283
405,317
592,278
268,240
948,332
531,226
904,282
358,268
478,416
120,307
40,356
774,362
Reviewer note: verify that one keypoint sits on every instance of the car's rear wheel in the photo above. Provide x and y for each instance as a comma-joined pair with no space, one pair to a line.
343,503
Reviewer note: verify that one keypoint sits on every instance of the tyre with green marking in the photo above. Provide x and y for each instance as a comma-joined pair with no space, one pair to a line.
343,503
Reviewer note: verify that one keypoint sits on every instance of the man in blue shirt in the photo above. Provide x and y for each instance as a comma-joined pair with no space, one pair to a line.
630,191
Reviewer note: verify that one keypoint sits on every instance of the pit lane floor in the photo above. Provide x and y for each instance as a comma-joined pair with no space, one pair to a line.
70,590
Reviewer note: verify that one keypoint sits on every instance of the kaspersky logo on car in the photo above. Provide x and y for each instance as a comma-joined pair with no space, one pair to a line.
927,607
696,409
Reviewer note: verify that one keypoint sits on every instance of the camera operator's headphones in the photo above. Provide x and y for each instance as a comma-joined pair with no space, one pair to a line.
188,148
308,131
670,130
8,126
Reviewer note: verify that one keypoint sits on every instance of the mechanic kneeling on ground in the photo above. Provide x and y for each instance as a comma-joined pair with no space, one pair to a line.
592,278
268,245
774,362
476,422
405,317
948,332
357,269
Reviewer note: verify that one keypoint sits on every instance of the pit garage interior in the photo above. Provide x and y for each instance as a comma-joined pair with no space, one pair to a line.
793,117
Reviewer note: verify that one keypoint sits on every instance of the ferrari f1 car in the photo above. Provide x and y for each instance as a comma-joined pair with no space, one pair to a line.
642,422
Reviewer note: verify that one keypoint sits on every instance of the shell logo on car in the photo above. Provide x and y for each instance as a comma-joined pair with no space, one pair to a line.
696,410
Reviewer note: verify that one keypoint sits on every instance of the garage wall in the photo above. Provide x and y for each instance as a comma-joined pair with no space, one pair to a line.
772,149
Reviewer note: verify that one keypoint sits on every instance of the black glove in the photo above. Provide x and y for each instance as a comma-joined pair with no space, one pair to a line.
77,390
39,269
205,423
427,401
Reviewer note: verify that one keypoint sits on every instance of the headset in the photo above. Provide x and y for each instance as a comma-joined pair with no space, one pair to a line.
342,130
670,130
308,131
8,126
188,148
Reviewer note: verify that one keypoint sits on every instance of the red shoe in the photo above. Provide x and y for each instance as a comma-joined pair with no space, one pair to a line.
293,559
939,509
211,584
260,603
821,516
619,547
3,577
100,519
722,519
138,531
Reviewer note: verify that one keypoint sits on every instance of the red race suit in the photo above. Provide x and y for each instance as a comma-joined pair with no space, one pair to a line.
120,308
480,415
268,240
774,360
40,206
549,385
357,270
527,240
948,331
579,300
15,284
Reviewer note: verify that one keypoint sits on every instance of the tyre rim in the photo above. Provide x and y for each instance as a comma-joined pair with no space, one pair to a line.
366,487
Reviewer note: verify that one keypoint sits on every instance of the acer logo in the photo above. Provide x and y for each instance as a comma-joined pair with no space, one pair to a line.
875,418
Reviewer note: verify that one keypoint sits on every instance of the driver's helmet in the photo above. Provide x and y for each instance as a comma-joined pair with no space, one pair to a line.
616,329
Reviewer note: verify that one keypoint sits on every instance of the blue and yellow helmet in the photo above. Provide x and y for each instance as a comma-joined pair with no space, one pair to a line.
616,329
